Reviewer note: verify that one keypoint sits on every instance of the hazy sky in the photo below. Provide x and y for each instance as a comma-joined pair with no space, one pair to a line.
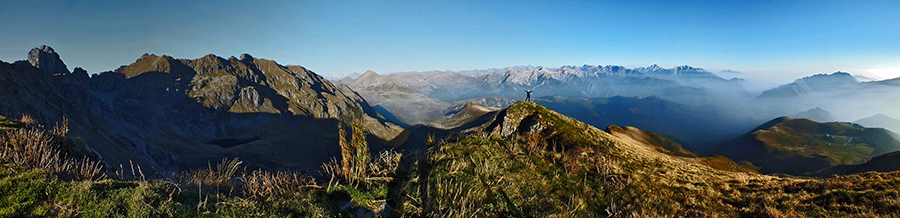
771,41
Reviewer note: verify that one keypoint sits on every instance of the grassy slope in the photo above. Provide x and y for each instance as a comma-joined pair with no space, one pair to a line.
568,169
593,173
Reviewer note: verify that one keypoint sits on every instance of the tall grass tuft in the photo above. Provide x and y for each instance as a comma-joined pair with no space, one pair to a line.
281,184
28,121
355,156
230,176
30,146
223,176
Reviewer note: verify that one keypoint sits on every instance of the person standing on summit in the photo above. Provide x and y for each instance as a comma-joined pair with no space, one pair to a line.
527,94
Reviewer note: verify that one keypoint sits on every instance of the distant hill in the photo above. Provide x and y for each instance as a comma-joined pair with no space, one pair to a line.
800,146
882,163
881,120
816,114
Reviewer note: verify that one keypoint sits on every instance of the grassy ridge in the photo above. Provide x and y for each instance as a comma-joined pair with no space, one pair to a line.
801,146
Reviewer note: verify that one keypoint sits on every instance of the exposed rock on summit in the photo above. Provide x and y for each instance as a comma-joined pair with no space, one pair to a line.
46,59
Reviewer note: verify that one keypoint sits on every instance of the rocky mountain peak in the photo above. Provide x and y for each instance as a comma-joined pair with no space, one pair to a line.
688,68
839,76
47,59
369,73
817,114
651,68
246,57
149,63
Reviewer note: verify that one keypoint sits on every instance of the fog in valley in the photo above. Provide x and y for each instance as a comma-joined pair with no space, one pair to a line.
685,102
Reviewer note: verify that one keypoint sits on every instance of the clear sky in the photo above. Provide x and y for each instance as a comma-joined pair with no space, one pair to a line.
771,41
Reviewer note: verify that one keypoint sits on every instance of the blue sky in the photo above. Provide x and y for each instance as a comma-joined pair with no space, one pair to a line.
770,41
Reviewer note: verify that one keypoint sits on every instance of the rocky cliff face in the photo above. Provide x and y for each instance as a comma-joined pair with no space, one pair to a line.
47,60
168,114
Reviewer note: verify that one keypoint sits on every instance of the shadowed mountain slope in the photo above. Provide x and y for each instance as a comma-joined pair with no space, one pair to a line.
167,114
882,163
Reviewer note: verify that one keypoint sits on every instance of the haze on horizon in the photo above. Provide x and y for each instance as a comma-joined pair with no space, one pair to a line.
770,43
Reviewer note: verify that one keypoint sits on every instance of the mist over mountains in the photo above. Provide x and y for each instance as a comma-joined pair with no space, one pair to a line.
839,93
721,106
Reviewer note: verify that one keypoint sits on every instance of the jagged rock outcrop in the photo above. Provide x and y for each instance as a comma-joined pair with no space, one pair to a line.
48,60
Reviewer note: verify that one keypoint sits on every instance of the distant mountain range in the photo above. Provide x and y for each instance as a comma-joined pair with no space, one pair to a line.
682,84
167,114
840,92
718,108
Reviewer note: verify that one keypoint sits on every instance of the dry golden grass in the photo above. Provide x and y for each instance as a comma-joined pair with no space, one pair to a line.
354,164
223,176
28,121
281,184
37,148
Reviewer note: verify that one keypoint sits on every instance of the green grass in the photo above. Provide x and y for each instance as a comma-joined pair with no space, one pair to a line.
6,124
38,193
841,143
24,191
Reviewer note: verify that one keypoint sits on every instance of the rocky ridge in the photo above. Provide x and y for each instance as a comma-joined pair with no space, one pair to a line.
168,114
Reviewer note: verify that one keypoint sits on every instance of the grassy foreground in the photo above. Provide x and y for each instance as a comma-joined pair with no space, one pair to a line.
568,169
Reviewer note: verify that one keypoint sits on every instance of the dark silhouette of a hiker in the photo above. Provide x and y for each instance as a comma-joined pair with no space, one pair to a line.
527,94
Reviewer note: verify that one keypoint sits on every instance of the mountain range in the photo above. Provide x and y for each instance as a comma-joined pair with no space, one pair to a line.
185,112
840,93
683,84
170,114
